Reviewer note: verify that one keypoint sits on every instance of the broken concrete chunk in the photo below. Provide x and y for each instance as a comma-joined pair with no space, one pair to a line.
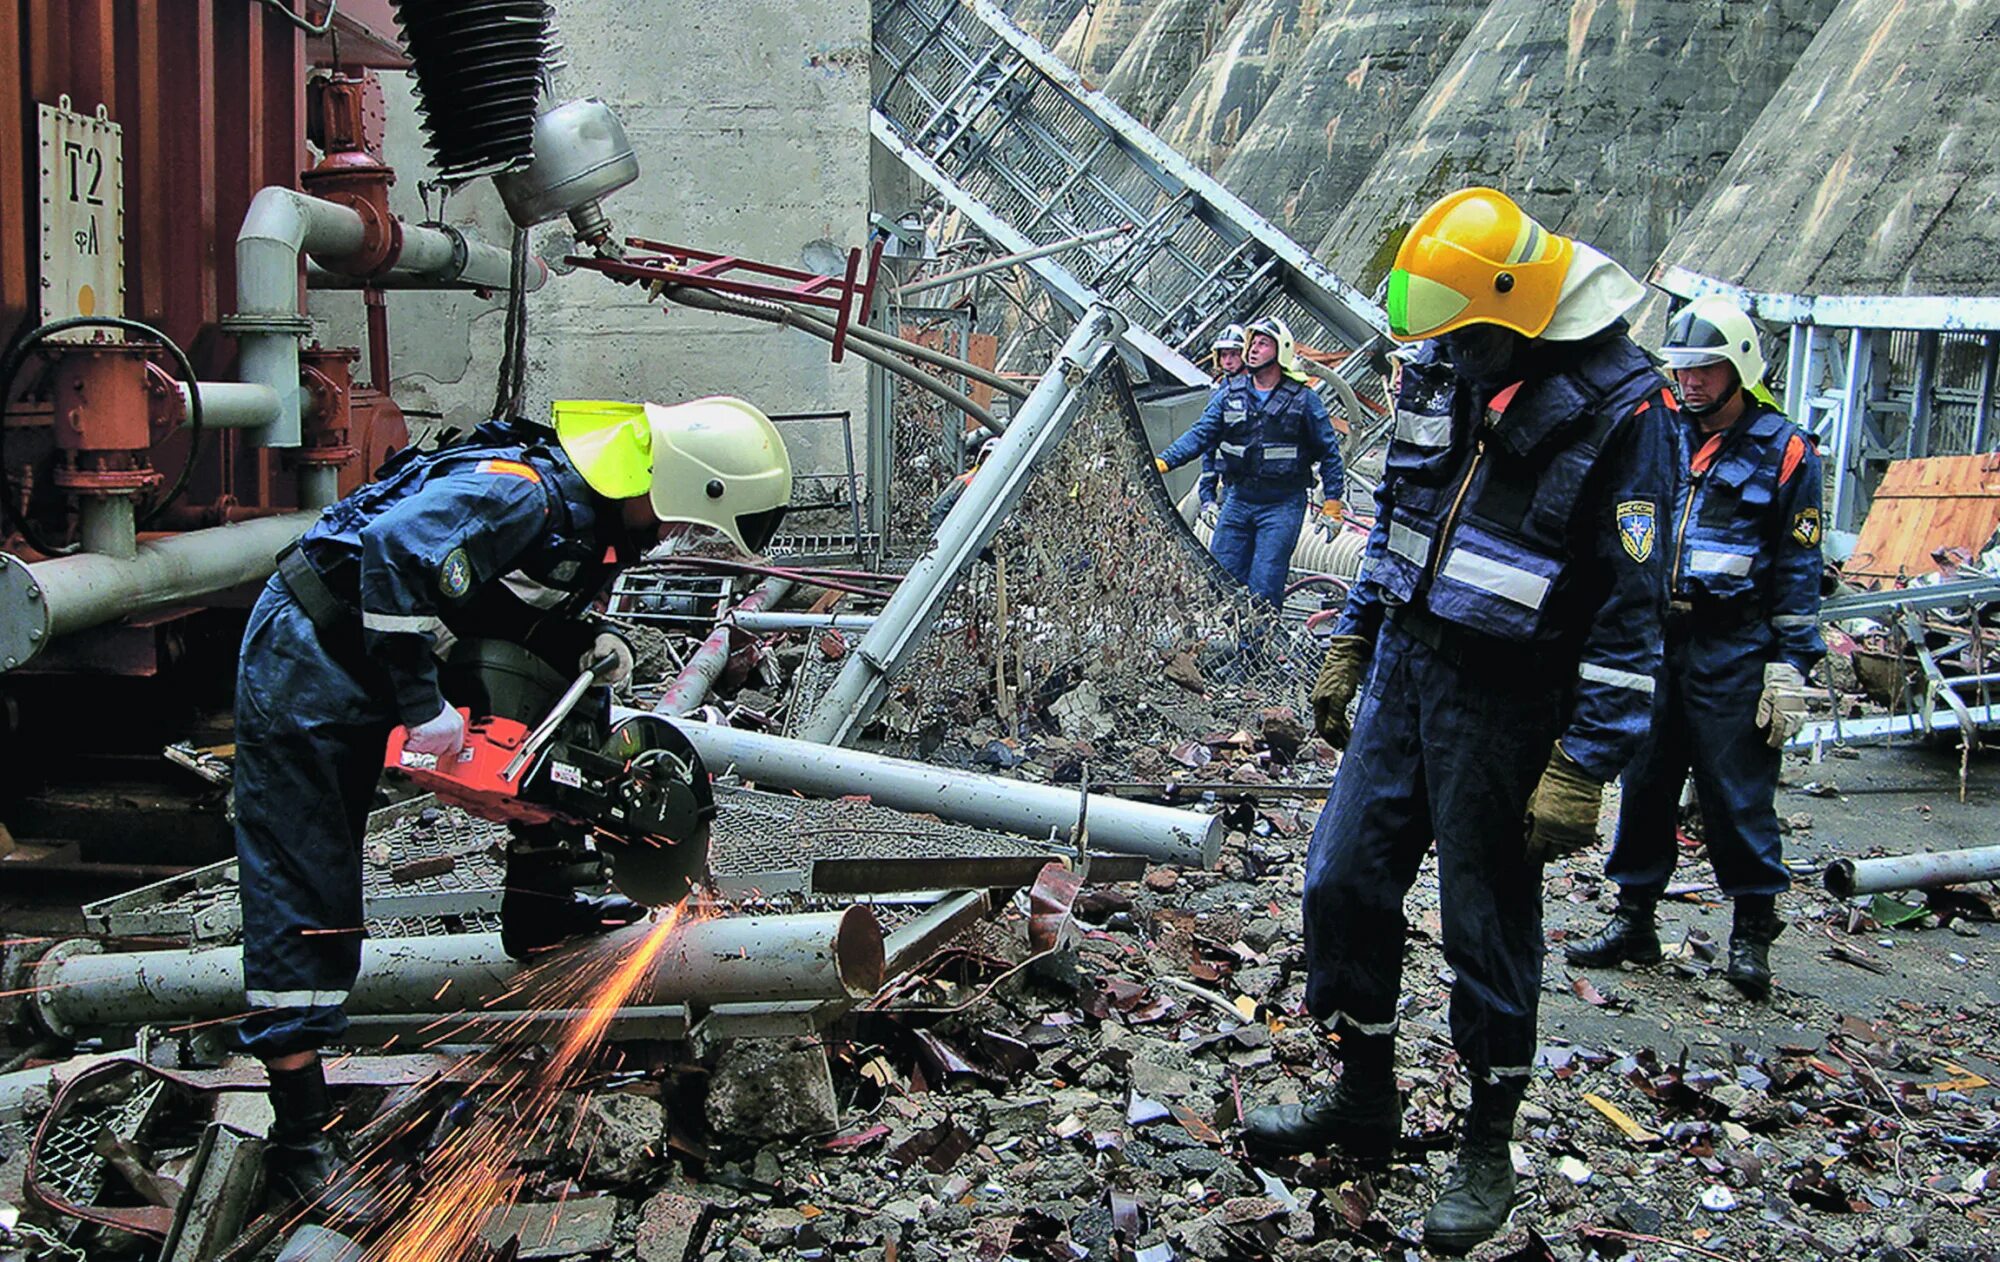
672,1228
772,1089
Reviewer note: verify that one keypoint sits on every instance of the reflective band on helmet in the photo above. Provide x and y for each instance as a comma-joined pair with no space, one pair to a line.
1509,582
1711,561
1423,429
1794,621
1281,453
1616,678
1412,545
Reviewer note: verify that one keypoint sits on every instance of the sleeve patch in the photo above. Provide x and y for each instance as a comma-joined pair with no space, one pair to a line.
455,575
511,468
1805,528
1637,529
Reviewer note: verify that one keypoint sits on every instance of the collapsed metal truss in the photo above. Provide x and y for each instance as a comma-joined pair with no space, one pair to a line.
1030,155
1872,376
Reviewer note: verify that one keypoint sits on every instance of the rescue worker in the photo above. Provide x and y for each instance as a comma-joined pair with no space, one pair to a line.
1269,432
1742,632
948,498
509,534
1506,626
1227,351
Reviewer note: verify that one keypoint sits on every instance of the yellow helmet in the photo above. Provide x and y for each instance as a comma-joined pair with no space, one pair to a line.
715,462
1476,258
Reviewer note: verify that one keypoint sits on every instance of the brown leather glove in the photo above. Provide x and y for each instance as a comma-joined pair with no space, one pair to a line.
1339,679
1562,815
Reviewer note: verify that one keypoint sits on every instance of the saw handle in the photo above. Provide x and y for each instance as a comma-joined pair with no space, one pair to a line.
558,712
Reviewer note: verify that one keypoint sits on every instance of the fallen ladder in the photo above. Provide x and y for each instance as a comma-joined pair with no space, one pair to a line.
1016,143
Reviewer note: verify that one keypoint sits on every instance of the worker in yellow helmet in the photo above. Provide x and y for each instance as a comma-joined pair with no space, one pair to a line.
1506,626
508,535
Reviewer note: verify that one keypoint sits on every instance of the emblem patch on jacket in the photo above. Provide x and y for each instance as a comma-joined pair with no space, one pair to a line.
1805,528
1636,528
455,575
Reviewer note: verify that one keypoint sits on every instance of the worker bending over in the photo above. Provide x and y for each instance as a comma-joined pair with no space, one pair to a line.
1268,431
1742,631
1503,636
511,535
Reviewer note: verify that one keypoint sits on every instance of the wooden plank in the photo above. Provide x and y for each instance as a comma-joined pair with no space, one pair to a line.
1923,505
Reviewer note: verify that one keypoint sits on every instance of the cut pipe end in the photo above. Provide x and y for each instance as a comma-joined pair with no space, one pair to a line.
858,955
1840,878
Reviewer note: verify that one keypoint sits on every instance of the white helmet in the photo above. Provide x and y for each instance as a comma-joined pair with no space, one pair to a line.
1281,333
1711,330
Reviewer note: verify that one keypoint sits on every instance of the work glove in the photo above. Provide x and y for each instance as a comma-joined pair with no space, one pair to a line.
1211,513
1159,465
1562,815
1339,679
1331,514
443,736
612,644
1781,707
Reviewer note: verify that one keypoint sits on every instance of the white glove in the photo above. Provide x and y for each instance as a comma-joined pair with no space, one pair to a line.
443,735
614,644
1781,707
1211,513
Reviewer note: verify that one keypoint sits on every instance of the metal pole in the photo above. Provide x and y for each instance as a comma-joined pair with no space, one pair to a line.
1165,833
988,498
1009,260
1849,877
690,687
49,599
1917,440
1982,414
769,623
826,955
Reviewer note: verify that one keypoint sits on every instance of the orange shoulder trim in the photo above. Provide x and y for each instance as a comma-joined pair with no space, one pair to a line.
1795,451
512,468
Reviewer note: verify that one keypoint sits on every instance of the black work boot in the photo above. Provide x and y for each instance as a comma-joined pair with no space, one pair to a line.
1479,1192
302,1163
1757,927
1362,1115
1631,937
541,907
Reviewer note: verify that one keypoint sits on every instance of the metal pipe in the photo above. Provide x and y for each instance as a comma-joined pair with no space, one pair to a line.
49,599
107,526
1009,260
826,955
318,277
704,667
1847,878
970,525
283,225
235,404
1164,833
771,623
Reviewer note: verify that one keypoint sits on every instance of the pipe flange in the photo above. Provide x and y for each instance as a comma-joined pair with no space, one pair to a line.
40,1004
24,613
107,481
289,325
316,457
461,252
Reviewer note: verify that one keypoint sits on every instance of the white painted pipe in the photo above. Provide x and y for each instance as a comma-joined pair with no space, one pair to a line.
1116,825
233,404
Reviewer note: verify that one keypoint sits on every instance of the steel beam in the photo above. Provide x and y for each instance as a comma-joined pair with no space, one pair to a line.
1164,833
905,621
827,955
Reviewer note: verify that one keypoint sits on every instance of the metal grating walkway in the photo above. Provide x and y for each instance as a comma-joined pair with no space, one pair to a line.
1030,155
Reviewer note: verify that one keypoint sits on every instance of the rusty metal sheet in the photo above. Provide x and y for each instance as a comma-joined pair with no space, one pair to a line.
1923,505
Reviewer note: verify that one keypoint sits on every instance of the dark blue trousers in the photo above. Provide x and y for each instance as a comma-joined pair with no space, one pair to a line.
1450,751
1254,542
1705,724
311,729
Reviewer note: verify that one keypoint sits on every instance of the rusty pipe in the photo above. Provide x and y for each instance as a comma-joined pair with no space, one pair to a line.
690,687
726,959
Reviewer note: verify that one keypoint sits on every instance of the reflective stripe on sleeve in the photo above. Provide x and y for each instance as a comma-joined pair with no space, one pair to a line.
1412,545
530,592
405,623
295,998
1712,561
1794,621
1616,678
1422,429
1509,582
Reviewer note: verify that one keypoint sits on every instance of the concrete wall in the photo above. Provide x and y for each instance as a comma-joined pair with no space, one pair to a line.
751,125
